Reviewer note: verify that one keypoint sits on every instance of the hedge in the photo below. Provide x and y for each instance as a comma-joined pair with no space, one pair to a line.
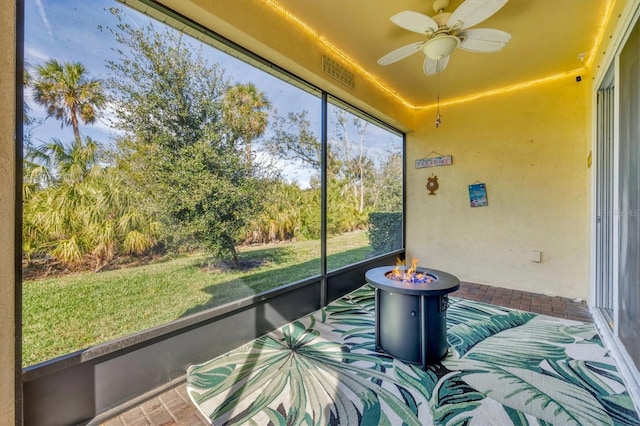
385,231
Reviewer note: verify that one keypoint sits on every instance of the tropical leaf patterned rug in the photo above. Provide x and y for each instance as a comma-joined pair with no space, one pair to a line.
504,367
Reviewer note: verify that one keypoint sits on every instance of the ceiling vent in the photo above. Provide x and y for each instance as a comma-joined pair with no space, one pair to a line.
337,71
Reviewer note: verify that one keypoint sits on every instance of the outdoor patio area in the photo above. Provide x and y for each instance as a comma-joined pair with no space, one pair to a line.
175,407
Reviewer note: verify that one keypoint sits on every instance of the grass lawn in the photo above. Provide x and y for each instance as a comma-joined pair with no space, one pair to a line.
63,315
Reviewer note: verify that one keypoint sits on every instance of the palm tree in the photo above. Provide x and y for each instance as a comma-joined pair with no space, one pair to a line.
115,223
84,209
74,207
68,94
280,220
244,114
27,81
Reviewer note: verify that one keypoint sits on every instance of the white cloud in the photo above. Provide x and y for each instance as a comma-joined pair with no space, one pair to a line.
43,16
33,54
108,116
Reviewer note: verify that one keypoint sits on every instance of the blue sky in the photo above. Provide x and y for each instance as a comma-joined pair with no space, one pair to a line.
77,31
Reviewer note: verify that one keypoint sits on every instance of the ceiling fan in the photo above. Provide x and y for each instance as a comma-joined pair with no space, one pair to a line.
447,31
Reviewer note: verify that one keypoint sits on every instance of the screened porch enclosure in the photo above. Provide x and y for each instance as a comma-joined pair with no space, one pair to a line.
268,185
309,188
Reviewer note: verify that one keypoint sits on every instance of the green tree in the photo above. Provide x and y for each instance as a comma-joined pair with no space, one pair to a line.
212,195
294,140
179,151
164,91
67,94
351,166
245,114
385,194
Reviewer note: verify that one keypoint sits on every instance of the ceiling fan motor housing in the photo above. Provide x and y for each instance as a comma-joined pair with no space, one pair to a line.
442,19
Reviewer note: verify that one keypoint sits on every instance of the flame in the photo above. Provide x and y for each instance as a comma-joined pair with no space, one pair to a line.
396,270
409,275
414,266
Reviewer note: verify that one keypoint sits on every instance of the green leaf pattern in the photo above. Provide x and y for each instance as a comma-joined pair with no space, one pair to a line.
505,367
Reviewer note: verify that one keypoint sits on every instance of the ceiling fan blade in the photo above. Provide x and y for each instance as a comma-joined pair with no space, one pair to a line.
401,53
472,12
434,66
483,40
414,21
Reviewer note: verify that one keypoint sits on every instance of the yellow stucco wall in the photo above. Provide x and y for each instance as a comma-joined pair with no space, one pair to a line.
530,147
7,202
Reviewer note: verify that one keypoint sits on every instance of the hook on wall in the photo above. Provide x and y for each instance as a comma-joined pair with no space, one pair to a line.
433,153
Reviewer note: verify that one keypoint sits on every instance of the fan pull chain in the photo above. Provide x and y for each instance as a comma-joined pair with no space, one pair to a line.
438,119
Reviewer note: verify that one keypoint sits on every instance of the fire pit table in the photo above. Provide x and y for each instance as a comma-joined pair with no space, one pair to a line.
411,317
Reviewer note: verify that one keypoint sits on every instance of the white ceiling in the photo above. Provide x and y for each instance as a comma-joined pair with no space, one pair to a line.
547,37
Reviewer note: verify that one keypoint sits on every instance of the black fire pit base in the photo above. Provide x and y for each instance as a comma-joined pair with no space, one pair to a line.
411,319
416,332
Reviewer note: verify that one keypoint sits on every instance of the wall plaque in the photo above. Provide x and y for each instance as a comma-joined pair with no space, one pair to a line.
444,160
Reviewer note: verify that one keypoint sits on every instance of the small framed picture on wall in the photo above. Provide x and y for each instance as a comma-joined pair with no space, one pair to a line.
478,195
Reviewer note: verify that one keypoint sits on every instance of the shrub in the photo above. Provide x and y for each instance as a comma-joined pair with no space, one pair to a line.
385,231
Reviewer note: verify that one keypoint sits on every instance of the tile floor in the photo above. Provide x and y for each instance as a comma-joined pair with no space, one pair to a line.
174,407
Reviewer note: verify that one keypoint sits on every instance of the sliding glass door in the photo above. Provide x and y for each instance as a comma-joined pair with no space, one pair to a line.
628,327
604,198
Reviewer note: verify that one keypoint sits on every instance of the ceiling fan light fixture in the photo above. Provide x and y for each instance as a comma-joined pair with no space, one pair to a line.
440,46
447,31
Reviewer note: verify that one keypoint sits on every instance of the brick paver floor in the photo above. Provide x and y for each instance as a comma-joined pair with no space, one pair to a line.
173,407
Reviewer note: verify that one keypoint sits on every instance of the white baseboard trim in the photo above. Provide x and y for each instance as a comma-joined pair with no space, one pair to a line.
628,370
